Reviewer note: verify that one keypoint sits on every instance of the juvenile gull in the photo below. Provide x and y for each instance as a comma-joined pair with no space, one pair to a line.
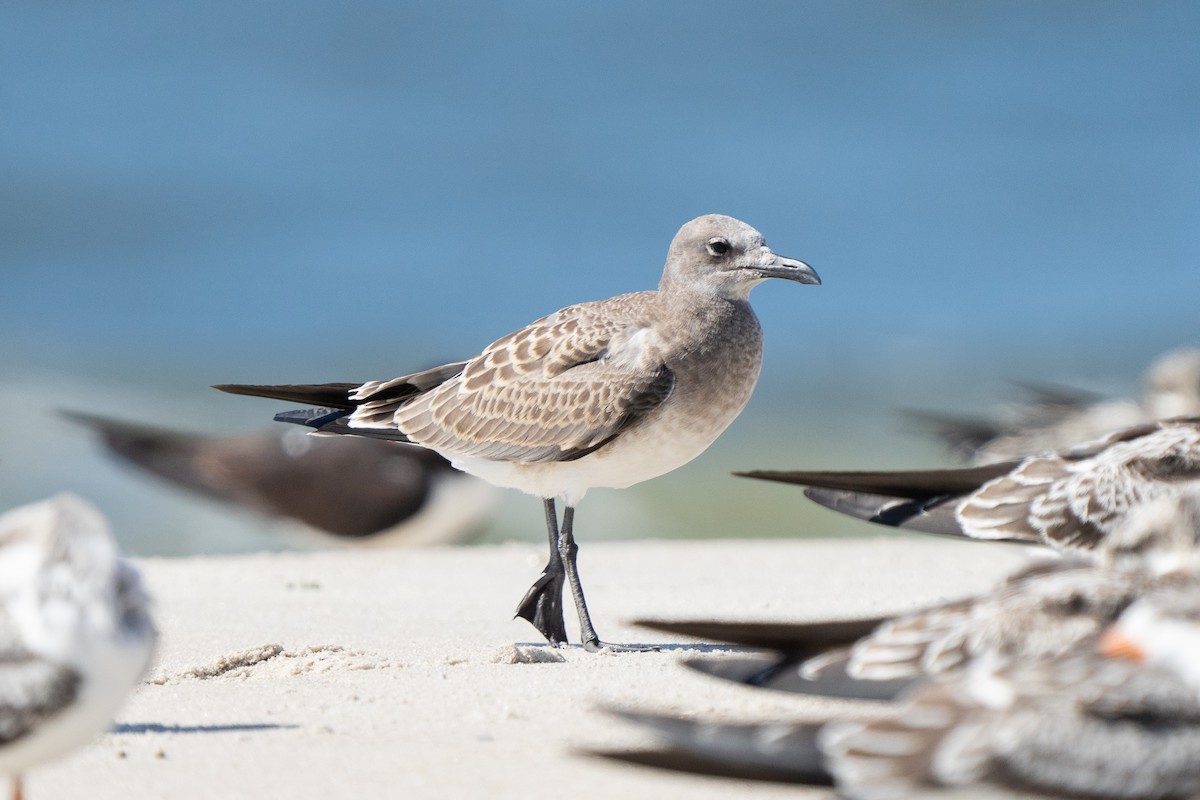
1045,609
1117,718
75,634
1068,500
600,394
1114,716
345,490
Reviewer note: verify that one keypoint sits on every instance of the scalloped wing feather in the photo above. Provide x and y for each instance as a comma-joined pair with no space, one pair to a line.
554,390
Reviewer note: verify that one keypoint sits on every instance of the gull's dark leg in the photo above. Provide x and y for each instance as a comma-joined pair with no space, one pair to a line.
542,604
568,551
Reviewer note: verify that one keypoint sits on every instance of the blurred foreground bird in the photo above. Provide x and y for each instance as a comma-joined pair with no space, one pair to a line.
1113,716
1068,501
1055,418
600,394
346,490
1043,610
75,632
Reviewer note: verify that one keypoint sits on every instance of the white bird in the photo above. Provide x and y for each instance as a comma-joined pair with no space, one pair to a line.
75,632
601,394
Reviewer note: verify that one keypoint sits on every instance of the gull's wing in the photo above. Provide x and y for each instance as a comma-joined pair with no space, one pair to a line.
783,752
795,639
1071,500
1074,501
32,689
336,400
792,643
555,390
788,675
920,500
1074,726
349,487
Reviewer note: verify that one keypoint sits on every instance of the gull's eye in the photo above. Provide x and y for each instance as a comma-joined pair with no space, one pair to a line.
717,247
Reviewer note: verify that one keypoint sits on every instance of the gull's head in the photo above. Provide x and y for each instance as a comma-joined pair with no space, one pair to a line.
725,257
1160,630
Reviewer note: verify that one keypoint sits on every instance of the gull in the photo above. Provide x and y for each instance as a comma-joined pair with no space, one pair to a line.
1057,417
345,490
600,394
1069,501
75,633
1119,718
1042,610
1114,716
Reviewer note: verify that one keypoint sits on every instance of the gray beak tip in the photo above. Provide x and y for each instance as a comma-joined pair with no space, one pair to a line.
792,270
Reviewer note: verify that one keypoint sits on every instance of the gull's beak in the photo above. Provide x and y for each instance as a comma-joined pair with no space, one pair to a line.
1113,644
789,269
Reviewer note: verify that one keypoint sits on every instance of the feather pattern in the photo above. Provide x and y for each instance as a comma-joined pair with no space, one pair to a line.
1071,501
552,391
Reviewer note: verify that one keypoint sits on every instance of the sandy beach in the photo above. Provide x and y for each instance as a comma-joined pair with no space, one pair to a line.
401,674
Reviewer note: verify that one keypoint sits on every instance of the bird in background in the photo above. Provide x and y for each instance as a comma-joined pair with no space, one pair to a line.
1056,417
1117,717
600,394
346,491
75,631
1068,500
1045,609
1083,687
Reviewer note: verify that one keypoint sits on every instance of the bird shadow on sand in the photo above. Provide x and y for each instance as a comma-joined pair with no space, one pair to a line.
158,727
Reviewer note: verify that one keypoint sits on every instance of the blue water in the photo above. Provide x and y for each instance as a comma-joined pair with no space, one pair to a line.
303,191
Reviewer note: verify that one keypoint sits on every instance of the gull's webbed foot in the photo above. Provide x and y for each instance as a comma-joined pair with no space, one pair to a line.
542,607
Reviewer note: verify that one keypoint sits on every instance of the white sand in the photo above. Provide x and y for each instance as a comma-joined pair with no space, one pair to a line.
391,674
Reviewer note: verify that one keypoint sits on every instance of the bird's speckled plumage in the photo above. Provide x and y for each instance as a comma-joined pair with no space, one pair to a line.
1115,716
1070,500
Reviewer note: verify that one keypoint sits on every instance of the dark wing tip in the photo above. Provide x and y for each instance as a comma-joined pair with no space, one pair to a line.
234,388
333,395
786,637
694,764
311,417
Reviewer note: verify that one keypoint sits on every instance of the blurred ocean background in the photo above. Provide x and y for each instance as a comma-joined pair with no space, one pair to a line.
300,192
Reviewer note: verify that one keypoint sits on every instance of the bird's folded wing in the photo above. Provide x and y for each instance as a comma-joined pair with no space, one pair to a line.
31,688
762,751
792,638
907,484
553,391
168,454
